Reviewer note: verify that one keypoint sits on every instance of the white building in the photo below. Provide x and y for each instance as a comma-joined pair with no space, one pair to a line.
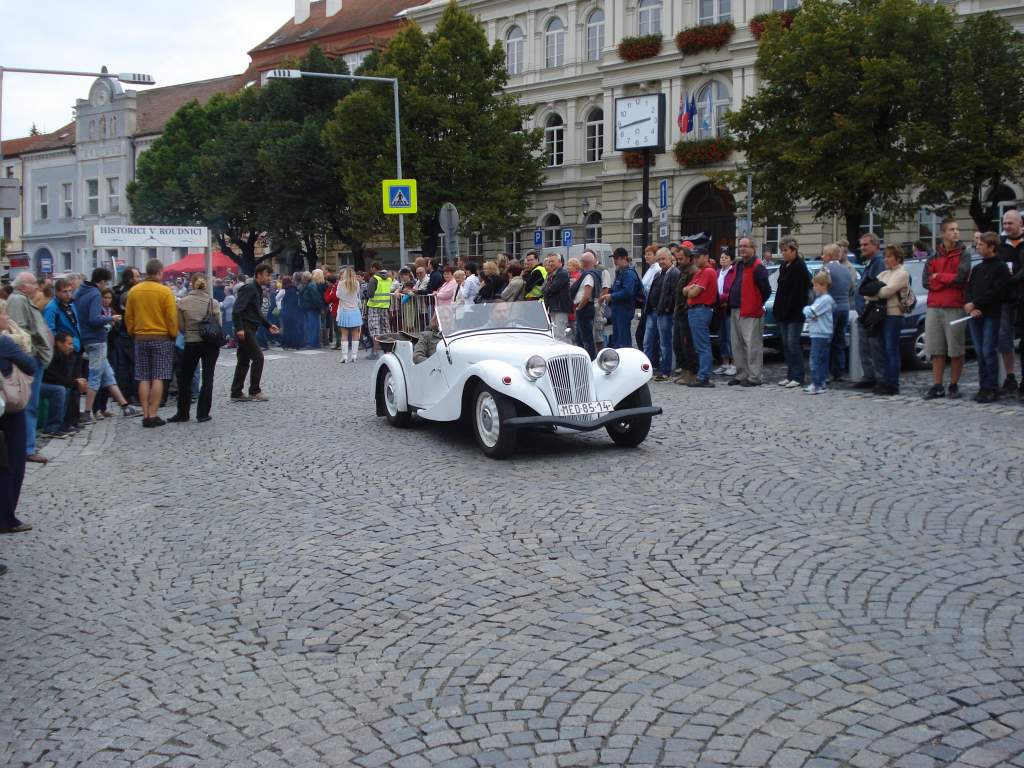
563,60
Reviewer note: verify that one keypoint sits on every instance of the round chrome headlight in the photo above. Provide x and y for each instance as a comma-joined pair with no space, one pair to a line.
608,360
536,367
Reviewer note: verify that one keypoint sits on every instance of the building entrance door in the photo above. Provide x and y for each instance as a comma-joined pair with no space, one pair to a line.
711,211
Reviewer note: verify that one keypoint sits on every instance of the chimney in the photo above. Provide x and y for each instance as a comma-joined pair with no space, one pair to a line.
301,11
333,6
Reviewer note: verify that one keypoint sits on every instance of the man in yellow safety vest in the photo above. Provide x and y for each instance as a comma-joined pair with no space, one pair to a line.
534,276
378,306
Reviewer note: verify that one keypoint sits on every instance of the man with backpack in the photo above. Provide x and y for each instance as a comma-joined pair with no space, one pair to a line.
944,277
626,291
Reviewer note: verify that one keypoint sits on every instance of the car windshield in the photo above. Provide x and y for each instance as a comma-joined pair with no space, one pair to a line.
496,316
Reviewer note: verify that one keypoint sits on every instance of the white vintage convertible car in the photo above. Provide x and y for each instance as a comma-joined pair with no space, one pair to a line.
498,366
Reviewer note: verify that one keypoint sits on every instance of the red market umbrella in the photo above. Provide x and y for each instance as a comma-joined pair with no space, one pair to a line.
196,262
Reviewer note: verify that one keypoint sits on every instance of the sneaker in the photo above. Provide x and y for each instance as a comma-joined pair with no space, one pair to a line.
55,434
954,392
822,389
784,383
793,385
1010,385
937,391
661,377
719,371
128,411
87,420
259,397
730,370
810,389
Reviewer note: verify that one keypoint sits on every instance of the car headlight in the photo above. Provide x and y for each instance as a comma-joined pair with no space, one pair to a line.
536,367
608,360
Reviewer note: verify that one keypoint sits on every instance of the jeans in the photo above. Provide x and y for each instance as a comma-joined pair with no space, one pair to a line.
622,319
32,414
700,332
838,361
985,335
724,338
194,352
891,340
658,342
58,398
789,334
248,353
585,330
820,348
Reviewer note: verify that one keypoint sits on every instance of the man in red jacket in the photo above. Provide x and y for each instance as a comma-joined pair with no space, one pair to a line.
945,275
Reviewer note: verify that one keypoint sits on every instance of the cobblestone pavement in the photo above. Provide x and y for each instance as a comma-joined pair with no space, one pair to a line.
772,579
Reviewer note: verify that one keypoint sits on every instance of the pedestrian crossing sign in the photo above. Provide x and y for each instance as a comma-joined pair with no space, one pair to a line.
400,196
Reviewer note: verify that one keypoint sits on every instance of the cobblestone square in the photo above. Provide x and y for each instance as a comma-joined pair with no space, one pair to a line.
772,579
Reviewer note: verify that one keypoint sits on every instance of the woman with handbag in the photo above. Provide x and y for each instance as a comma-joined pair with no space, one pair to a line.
199,320
17,367
895,283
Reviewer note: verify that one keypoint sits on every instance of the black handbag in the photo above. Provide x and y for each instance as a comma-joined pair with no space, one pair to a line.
210,329
873,318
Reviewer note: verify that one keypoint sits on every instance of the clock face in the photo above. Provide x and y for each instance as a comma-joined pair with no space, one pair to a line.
638,123
100,94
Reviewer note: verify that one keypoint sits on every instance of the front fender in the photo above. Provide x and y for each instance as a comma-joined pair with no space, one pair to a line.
492,373
624,380
390,362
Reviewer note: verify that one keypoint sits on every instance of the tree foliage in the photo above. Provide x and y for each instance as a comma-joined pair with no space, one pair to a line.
849,115
462,137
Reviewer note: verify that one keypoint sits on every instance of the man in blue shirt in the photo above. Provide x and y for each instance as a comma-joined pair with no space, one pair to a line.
623,299
872,350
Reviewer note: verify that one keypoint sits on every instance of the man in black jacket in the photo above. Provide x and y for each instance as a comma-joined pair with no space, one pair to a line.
556,297
248,315
659,309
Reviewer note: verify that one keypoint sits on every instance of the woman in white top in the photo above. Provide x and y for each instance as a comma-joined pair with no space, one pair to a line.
350,319
895,284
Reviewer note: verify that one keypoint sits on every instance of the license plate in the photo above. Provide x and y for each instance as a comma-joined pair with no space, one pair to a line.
585,409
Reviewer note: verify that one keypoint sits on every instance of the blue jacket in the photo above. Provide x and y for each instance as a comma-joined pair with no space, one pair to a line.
873,269
58,320
625,288
89,305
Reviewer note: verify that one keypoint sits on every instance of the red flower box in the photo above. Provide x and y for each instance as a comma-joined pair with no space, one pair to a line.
636,159
635,48
760,22
704,38
695,154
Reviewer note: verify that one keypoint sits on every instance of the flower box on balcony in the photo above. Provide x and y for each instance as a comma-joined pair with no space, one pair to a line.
636,159
636,48
696,154
705,37
760,22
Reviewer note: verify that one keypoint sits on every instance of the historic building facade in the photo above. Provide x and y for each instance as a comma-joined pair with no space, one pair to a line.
564,60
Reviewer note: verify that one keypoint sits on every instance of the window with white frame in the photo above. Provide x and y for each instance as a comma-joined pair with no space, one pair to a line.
592,231
785,5
638,231
42,203
554,141
514,51
92,196
552,231
113,194
713,103
67,207
648,17
595,135
355,60
873,222
714,11
595,34
929,228
554,43
773,234
476,244
513,242
65,260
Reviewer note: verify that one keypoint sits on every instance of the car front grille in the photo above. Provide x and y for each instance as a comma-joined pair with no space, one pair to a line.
570,380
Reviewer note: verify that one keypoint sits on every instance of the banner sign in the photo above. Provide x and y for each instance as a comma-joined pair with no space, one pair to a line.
150,237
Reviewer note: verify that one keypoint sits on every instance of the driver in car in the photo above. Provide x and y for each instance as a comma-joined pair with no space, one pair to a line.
427,344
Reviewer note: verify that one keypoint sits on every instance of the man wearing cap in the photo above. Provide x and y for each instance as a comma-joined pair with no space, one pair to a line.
750,290
702,297
622,298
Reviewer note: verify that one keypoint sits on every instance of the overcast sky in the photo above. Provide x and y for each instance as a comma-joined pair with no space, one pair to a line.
175,41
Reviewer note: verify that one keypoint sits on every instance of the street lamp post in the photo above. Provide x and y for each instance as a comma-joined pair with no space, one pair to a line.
294,74
130,78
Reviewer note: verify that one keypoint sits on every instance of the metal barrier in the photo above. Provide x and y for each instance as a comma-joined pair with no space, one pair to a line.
411,312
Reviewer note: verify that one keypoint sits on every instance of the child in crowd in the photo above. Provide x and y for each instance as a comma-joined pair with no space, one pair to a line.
99,405
819,326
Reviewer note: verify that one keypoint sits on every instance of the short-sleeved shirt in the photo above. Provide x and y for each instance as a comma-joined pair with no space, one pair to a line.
587,280
707,278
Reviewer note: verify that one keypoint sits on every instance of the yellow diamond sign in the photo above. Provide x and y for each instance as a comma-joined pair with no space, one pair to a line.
400,196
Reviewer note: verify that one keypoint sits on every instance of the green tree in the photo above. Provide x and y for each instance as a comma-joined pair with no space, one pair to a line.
462,136
986,140
849,116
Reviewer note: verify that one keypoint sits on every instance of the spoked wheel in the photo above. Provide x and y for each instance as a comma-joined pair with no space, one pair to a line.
632,431
490,412
395,415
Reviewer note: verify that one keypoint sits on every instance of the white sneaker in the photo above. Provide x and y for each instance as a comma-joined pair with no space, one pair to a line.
344,359
719,371
730,371
793,385
822,389
810,389
785,383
